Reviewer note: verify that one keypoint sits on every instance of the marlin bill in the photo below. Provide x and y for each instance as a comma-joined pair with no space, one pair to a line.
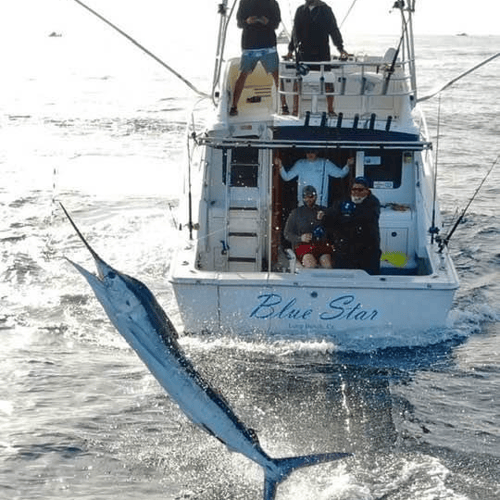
138,317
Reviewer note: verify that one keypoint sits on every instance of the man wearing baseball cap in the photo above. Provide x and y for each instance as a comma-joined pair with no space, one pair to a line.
353,226
304,230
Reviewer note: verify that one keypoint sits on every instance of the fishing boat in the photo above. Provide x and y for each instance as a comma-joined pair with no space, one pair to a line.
235,272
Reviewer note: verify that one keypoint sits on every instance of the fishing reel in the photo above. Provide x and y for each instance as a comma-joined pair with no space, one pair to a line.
347,208
302,69
318,233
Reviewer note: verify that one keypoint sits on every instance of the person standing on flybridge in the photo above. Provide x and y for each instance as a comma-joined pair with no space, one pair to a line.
258,19
314,24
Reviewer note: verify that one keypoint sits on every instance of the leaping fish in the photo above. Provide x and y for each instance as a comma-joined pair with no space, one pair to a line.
138,317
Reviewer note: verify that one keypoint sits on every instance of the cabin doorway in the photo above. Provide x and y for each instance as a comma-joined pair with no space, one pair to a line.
285,193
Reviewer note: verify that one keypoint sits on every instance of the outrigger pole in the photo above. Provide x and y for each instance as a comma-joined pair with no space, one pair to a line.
348,12
465,73
221,42
149,53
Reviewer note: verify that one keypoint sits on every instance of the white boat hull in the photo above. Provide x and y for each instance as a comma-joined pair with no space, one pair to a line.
342,305
238,273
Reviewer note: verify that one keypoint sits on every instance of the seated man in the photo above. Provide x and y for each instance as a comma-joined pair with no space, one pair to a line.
305,232
354,228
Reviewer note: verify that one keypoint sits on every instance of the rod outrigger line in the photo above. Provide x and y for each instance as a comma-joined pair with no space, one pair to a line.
348,12
149,53
445,241
452,81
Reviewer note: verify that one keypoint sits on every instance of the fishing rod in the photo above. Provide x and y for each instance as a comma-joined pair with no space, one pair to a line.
433,229
443,243
149,53
399,4
190,194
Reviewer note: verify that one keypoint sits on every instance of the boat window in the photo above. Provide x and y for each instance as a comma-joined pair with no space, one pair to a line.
383,168
244,167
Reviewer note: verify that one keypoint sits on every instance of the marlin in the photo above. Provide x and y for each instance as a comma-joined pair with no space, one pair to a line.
138,317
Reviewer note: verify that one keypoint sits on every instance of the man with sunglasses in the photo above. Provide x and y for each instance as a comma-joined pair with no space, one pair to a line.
353,226
305,231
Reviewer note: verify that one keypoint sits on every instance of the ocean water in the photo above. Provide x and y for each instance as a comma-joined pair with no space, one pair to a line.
103,131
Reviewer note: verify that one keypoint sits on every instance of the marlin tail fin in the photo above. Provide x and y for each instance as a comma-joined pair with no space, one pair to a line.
281,468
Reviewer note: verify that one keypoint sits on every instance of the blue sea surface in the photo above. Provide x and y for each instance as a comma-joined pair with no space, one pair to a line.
82,418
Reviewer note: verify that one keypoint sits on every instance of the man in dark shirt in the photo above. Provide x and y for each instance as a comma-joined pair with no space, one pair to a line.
353,226
313,25
304,230
259,19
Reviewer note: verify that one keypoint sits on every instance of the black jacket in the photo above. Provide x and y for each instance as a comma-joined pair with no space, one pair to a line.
311,31
258,36
356,237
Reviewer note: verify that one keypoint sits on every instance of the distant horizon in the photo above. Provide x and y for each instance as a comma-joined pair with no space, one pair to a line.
443,17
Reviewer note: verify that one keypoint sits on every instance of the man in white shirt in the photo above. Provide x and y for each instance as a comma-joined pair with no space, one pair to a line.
314,171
